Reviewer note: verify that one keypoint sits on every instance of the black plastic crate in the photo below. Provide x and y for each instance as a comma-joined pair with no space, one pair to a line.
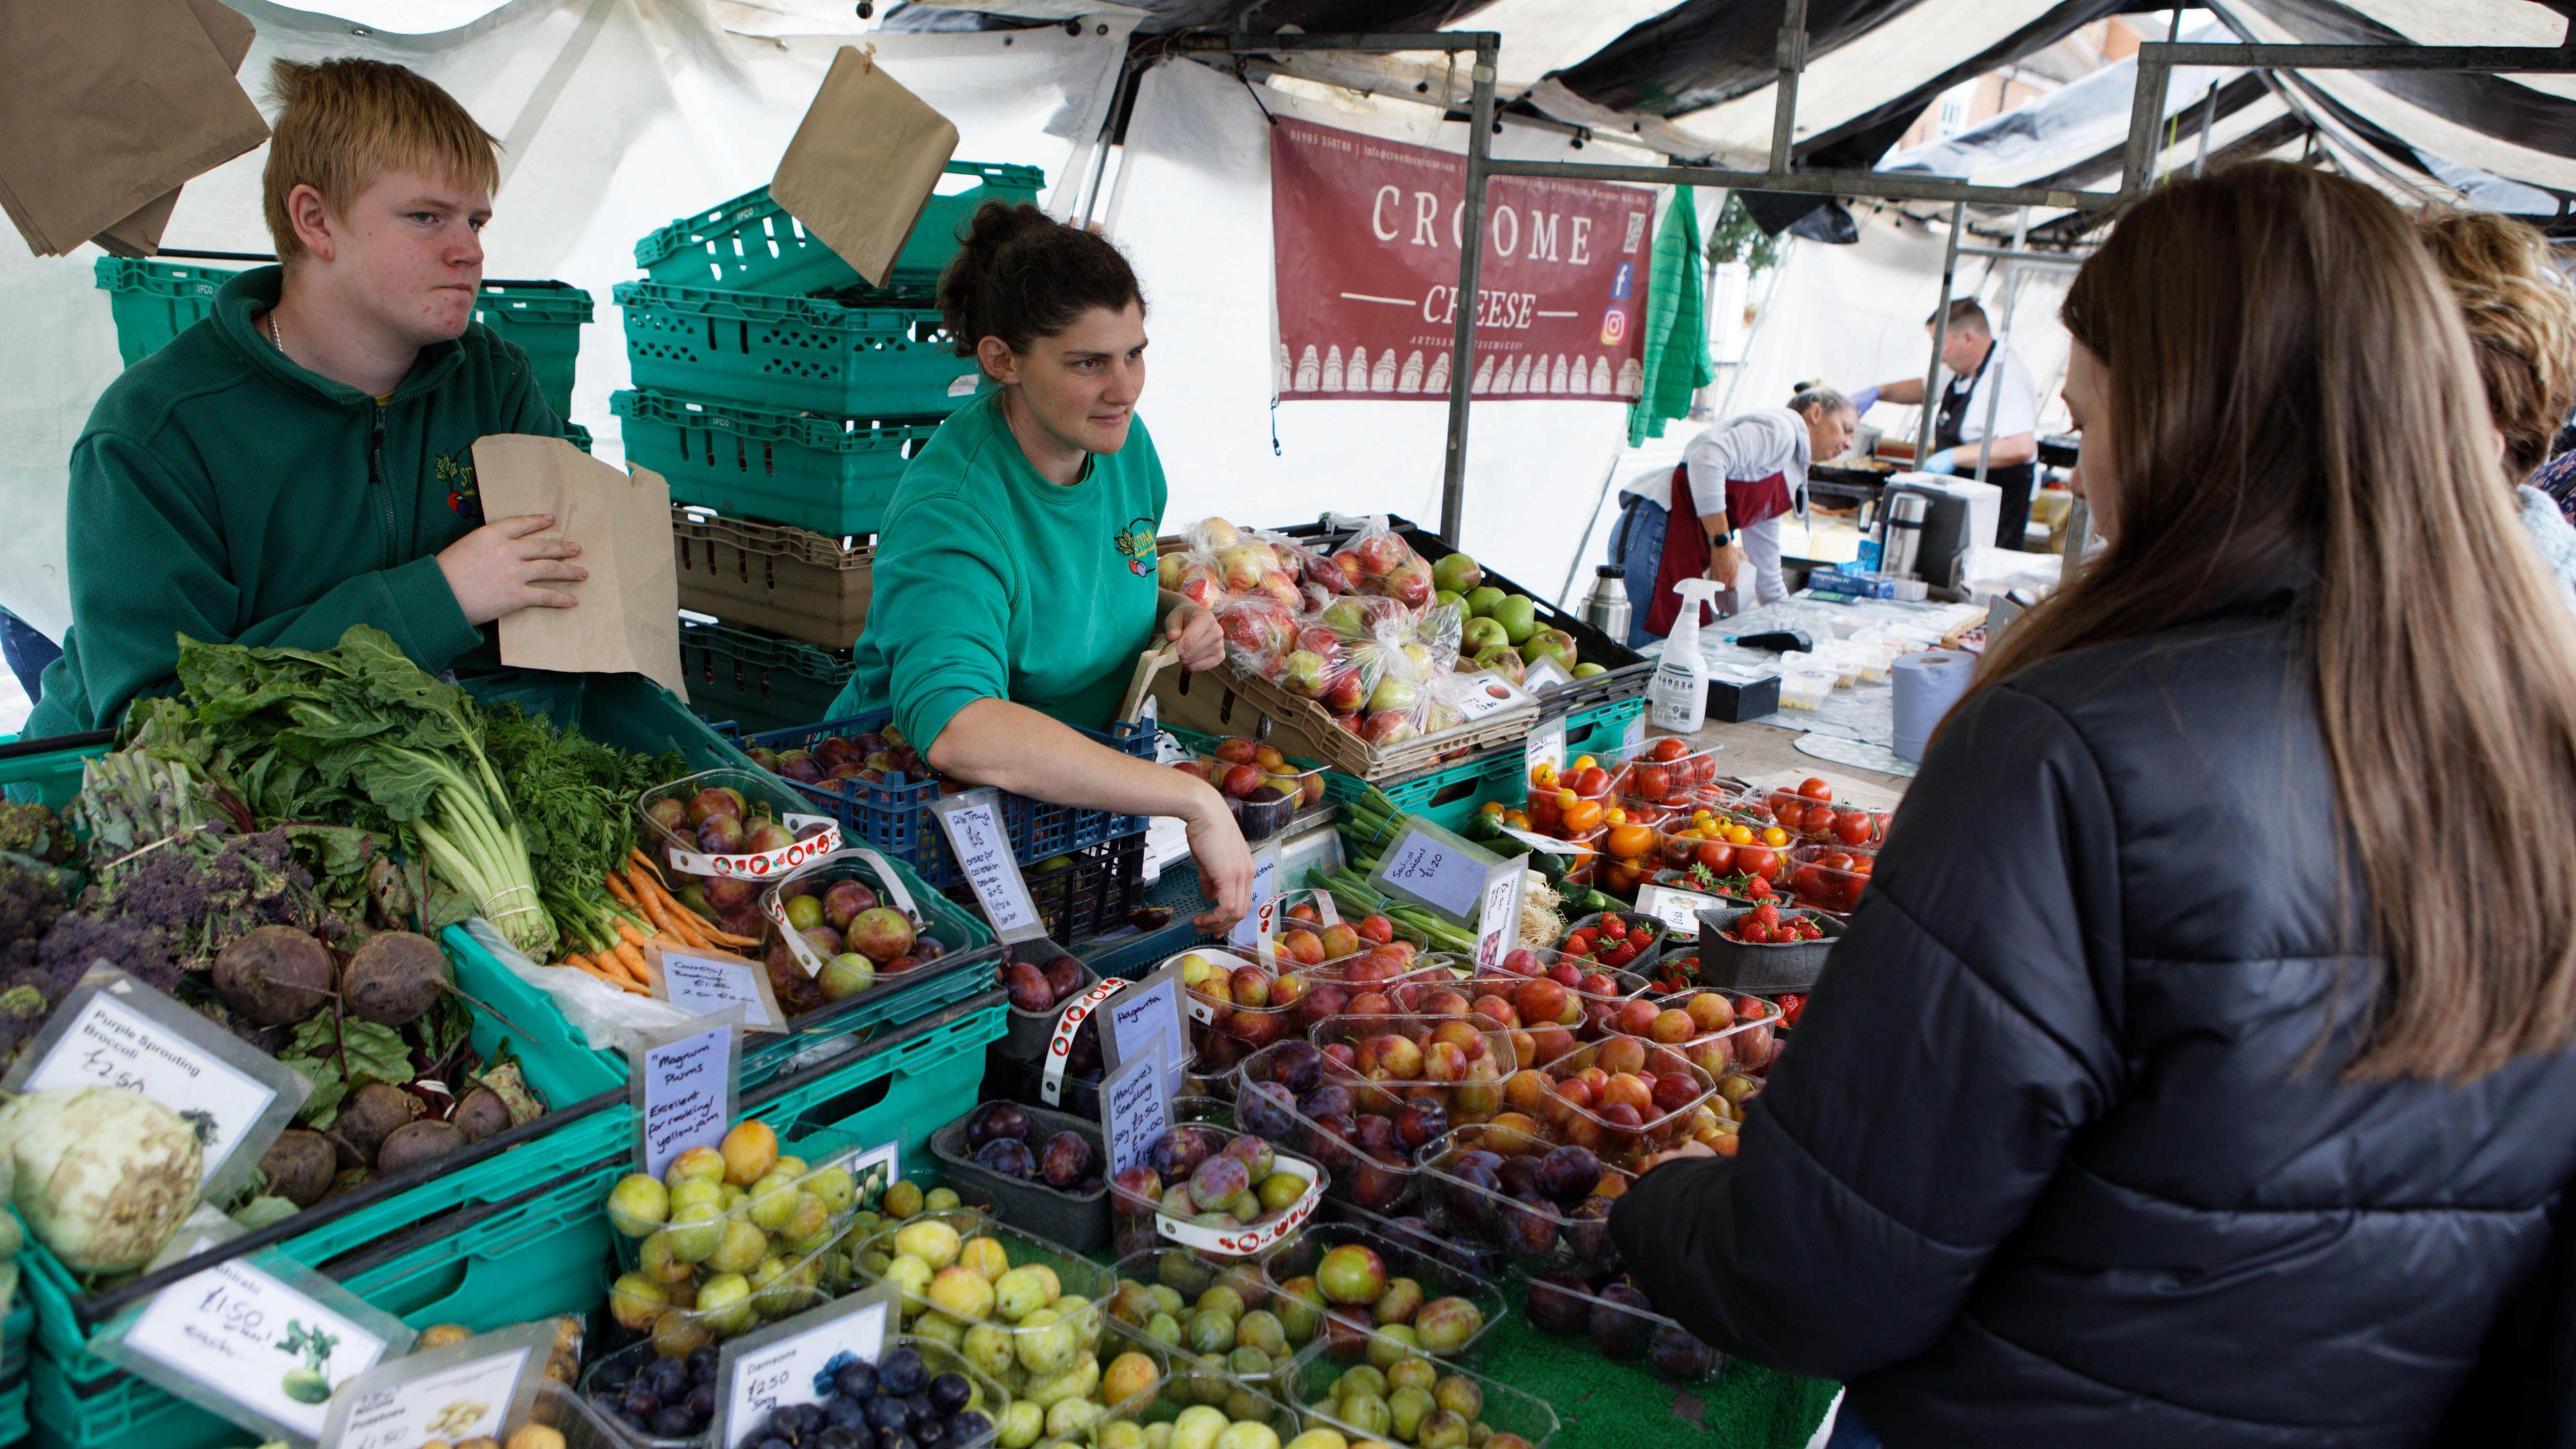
1091,897
1627,670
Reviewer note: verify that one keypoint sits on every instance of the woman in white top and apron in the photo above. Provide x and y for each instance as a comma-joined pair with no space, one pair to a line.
1734,482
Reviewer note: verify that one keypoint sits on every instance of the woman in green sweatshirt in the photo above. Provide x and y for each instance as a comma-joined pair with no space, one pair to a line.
1015,579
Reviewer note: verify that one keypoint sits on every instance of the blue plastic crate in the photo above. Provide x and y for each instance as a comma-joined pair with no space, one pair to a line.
896,819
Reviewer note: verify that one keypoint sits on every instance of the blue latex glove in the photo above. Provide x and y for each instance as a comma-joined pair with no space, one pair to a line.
1862,399
1945,461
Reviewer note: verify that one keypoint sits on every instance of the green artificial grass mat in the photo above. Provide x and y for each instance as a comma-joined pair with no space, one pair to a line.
1612,1405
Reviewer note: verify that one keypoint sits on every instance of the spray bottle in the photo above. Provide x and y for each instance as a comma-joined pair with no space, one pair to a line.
1678,697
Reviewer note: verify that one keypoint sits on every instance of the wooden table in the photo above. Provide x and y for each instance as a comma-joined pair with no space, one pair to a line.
1764,754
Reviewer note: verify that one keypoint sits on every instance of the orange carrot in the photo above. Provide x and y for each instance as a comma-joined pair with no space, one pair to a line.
617,888
630,957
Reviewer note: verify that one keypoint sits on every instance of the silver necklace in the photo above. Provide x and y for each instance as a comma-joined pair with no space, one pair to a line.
273,334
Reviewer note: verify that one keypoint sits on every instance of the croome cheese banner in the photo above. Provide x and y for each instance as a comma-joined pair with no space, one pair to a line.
1367,235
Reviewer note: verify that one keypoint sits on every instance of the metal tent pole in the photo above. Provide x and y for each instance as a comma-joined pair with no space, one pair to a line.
1940,334
2012,296
1471,266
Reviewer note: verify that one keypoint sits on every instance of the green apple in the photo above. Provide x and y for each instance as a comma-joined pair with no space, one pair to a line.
1478,635
1442,598
1482,602
1457,573
1553,644
1587,670
1518,615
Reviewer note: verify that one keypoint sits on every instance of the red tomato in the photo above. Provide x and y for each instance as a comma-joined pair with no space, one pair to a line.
1815,789
1812,884
1819,820
1852,827
1666,750
1590,782
1834,860
1784,801
1759,860
1861,865
1850,893
1717,855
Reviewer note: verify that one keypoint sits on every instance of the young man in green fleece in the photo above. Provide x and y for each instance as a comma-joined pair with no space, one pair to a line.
302,460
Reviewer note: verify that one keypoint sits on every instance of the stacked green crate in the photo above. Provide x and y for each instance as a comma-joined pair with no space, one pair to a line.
154,301
774,384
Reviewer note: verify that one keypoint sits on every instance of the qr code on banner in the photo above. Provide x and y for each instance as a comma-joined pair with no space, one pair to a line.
1636,231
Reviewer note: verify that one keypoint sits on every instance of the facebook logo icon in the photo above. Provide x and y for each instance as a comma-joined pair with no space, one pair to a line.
1621,280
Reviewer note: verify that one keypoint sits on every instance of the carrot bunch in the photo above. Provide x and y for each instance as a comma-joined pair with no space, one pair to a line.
634,909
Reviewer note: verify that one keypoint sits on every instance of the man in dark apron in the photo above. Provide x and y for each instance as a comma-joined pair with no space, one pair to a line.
1980,368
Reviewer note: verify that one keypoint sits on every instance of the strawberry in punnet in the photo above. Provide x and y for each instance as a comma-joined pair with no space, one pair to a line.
1792,1003
1619,955
1579,944
1613,929
1766,916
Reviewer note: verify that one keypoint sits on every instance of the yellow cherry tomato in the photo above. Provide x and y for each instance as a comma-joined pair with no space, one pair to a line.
1565,798
1614,816
1490,807
1775,836
1544,776
1585,762
1739,834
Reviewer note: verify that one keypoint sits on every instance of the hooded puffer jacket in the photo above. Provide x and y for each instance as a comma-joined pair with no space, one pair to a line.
2060,1153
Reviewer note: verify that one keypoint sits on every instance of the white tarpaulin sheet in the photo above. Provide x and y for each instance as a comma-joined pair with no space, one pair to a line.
617,115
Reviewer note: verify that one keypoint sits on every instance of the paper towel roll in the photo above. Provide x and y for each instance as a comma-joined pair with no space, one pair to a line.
1926,685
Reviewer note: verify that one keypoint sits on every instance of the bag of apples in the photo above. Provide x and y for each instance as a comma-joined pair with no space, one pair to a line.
1380,562
1319,576
1216,562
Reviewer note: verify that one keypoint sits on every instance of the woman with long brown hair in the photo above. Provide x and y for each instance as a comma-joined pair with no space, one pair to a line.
2197,1069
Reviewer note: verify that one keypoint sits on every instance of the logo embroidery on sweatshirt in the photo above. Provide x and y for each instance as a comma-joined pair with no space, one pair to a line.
458,478
1136,545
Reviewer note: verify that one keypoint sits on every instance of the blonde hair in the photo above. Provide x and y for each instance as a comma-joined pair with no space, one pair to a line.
2289,391
343,123
2522,321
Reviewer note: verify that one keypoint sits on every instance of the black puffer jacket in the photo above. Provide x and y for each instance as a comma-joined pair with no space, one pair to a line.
2046,1163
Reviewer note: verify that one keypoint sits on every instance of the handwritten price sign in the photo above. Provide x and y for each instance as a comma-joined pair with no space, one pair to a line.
973,821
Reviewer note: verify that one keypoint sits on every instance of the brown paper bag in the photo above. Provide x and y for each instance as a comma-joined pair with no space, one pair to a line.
628,619
110,104
864,162
139,235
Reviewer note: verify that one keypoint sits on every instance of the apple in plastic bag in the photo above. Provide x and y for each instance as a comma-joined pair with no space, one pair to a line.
1305,674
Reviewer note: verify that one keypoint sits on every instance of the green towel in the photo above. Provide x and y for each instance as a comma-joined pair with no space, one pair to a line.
1676,324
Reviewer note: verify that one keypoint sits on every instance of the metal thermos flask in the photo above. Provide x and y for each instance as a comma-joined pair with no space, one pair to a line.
1606,608
1905,514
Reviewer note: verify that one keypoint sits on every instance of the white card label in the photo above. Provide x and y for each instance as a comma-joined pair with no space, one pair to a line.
688,1095
1498,919
1545,675
1147,1017
1133,1109
1429,865
702,985
251,1339
112,1045
792,1362
973,821
1635,732
1678,910
462,1401
1491,695
1545,746
1265,890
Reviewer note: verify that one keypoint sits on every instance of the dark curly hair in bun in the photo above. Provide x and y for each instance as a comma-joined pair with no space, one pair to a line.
1021,275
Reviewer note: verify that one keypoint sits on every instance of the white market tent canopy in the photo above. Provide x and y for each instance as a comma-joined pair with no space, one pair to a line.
619,115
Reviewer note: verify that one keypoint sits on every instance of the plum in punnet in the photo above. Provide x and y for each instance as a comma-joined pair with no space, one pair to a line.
1216,1180
1569,1174
1028,988
996,1120
1529,1227
1064,976
1556,1304
1329,1100
845,901
1253,1152
1519,1176
1622,1322
1176,1154
1138,1189
1065,1160
1298,1066
1587,1237
1267,1108
1418,1124
1678,1353
1008,1156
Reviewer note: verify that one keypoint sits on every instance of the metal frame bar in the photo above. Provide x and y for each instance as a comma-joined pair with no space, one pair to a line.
2156,63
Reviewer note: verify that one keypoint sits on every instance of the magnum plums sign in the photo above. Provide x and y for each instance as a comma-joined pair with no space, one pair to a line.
1367,233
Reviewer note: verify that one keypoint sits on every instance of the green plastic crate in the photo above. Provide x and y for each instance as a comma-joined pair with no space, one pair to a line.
793,354
759,681
1601,728
154,301
47,776
751,244
967,973
550,1254
833,477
